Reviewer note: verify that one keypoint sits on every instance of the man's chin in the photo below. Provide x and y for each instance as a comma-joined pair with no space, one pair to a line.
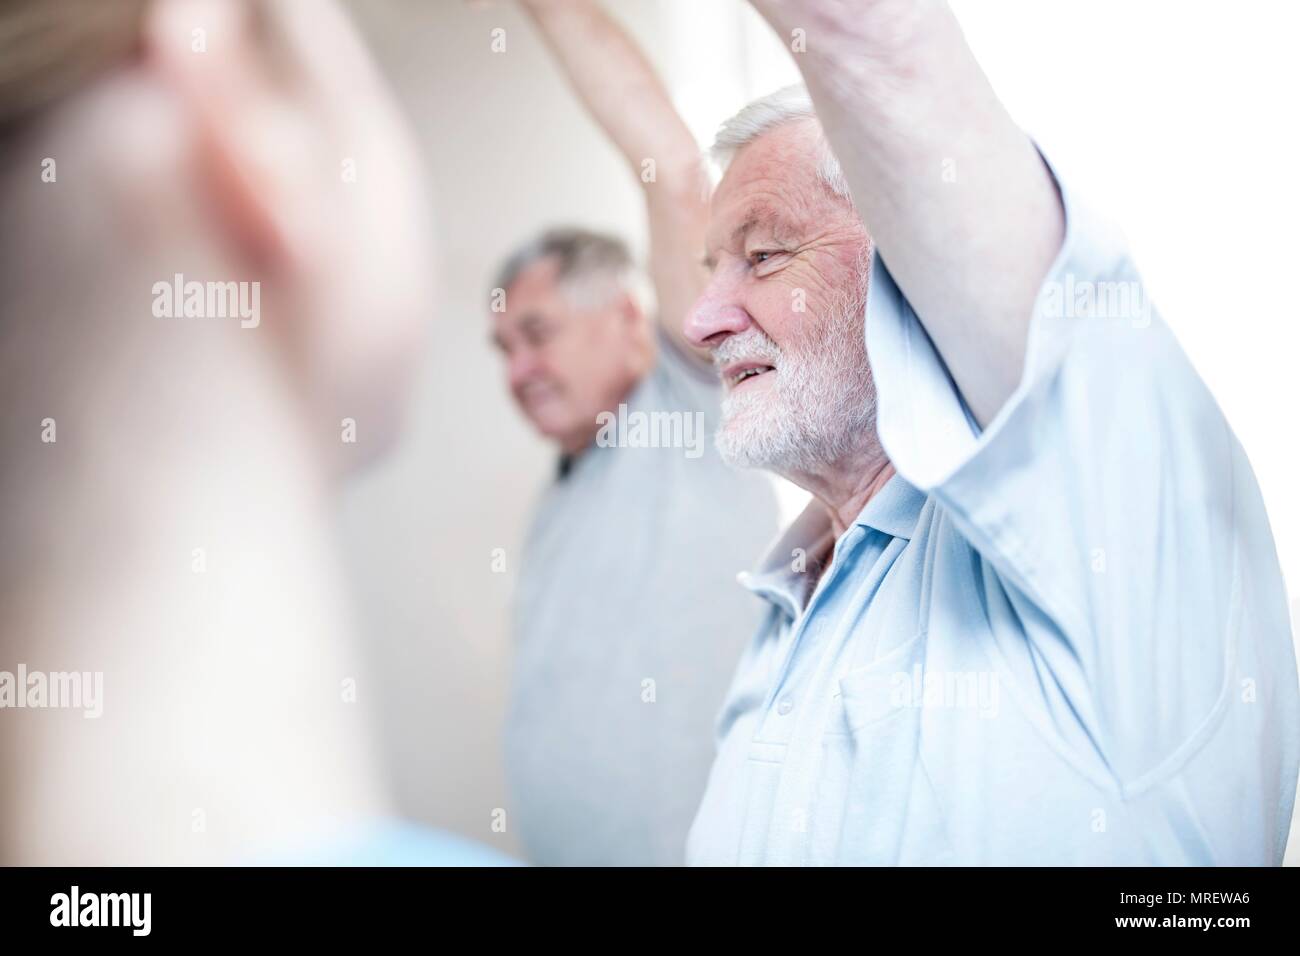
735,457
743,441
570,437
545,419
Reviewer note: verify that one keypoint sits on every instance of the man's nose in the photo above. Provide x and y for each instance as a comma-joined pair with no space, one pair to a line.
716,312
521,367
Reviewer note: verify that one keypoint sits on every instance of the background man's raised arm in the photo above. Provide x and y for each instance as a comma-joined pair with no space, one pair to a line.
620,89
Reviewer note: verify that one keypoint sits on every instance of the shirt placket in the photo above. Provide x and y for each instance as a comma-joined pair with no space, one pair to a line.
795,711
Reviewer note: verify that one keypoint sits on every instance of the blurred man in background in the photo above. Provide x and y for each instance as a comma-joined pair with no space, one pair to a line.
628,623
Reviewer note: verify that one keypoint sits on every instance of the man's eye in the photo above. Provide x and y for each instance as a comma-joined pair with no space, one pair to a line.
760,256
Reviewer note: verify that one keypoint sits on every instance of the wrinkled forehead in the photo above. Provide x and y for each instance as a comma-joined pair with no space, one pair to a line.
770,185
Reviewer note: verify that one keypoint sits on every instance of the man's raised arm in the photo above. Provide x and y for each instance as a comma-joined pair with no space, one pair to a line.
963,210
620,89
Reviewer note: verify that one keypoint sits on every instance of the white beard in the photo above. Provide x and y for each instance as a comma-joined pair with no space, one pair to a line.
818,410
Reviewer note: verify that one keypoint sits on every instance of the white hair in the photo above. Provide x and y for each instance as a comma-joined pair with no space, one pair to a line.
767,113
593,267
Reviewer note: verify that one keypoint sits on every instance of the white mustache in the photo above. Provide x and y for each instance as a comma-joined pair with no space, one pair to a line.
750,346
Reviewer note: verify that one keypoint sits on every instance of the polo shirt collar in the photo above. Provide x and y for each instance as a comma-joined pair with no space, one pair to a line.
774,577
893,510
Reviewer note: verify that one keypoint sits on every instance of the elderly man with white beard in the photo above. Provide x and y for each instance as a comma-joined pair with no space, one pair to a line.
1032,497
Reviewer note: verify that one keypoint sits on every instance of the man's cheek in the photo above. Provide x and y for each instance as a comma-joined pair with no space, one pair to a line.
796,295
775,307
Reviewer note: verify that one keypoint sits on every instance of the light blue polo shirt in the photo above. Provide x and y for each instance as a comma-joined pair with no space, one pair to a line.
1062,640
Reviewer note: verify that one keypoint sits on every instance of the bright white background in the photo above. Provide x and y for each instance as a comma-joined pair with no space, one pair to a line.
1175,116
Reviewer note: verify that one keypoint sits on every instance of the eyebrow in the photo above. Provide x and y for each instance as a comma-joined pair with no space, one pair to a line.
761,216
525,324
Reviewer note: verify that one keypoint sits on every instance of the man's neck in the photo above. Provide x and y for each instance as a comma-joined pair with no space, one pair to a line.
844,490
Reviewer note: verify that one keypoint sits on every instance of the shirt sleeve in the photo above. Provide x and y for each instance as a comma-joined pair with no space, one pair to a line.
1113,511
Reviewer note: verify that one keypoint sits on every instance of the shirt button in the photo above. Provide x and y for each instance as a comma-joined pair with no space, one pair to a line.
784,706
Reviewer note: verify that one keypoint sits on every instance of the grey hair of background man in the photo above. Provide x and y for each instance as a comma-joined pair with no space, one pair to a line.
767,113
592,267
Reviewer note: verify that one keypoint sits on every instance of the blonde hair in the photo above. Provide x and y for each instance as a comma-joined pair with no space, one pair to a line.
50,48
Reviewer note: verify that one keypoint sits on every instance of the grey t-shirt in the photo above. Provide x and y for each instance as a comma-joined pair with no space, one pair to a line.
628,627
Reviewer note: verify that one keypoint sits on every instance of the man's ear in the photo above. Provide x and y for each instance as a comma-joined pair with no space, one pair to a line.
250,145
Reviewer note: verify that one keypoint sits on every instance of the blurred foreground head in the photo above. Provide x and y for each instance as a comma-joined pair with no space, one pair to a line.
232,143
212,255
